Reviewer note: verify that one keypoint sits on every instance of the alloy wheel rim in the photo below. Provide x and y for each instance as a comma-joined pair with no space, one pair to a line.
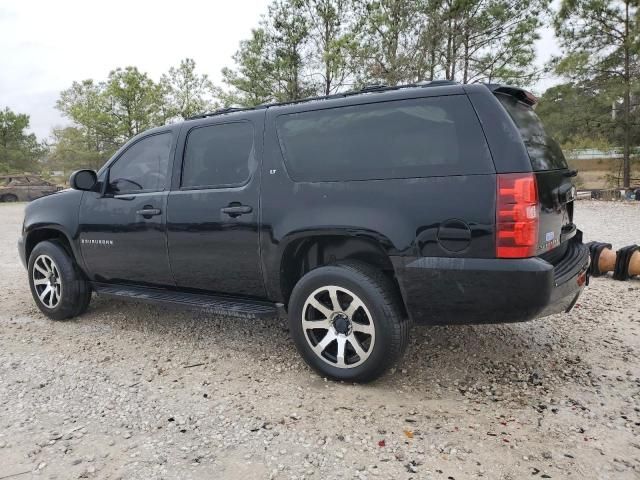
338,327
47,281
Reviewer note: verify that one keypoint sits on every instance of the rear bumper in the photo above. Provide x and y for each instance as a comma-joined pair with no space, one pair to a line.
474,290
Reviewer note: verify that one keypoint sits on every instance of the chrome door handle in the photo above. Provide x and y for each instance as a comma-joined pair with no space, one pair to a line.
149,212
236,210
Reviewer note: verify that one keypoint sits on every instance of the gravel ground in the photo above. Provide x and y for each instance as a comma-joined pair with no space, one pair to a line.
135,391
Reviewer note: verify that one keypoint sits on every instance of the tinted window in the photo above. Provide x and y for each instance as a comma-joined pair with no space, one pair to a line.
407,138
544,151
143,166
19,181
218,155
37,181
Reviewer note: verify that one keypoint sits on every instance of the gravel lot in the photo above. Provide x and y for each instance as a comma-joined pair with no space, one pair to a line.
137,391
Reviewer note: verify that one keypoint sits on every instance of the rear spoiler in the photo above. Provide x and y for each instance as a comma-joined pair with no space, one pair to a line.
519,93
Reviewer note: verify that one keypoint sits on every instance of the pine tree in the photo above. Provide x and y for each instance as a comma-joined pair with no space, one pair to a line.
601,44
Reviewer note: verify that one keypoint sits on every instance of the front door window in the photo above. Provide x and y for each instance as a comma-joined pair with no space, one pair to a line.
143,167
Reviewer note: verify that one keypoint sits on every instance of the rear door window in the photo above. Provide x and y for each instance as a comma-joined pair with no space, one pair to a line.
544,151
435,136
218,156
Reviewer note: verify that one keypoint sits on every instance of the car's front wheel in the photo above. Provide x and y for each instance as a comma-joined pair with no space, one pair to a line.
57,286
347,322
9,197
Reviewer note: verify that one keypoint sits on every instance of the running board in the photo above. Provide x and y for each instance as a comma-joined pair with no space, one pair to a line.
217,305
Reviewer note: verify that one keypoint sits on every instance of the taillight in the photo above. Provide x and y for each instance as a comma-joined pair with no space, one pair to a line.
516,215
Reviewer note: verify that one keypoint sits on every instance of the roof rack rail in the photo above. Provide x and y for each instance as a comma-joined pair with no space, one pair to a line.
437,83
219,111
373,88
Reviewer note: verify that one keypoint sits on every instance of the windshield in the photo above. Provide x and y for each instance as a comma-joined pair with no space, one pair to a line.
544,151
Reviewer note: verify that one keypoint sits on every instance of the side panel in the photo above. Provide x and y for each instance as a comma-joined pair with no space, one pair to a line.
441,291
407,217
209,249
58,212
121,246
121,243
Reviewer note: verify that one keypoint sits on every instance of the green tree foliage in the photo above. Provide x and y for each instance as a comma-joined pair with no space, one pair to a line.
492,40
70,151
185,93
576,111
331,29
108,113
273,65
19,151
104,115
252,80
601,45
389,41
289,34
87,106
308,47
131,98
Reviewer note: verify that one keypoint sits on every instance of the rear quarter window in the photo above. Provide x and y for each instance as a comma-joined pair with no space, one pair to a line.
435,136
544,151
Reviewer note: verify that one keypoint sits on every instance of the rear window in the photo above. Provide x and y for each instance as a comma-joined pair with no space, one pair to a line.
544,151
436,136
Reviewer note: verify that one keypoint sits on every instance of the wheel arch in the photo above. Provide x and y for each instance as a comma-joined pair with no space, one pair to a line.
305,252
50,233
4,196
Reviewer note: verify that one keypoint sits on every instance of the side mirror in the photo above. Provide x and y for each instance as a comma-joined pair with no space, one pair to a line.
83,180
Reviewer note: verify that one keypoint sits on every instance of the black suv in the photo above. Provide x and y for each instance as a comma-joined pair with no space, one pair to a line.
356,214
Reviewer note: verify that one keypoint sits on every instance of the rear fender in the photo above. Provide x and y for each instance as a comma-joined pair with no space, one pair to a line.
318,247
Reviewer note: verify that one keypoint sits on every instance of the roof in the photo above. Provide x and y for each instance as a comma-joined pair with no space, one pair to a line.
351,93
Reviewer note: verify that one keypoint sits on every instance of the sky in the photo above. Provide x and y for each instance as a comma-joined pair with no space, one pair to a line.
46,45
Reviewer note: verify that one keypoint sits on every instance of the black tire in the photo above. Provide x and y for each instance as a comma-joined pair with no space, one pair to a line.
382,301
75,292
9,197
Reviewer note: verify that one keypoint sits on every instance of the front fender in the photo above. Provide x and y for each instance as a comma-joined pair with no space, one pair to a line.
58,212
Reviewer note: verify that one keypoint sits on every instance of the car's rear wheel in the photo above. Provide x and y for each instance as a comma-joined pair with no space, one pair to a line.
347,322
57,286
9,197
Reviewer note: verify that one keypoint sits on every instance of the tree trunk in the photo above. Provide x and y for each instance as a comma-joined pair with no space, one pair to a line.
627,134
296,80
454,51
454,55
394,75
432,66
465,74
327,66
449,56
626,174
